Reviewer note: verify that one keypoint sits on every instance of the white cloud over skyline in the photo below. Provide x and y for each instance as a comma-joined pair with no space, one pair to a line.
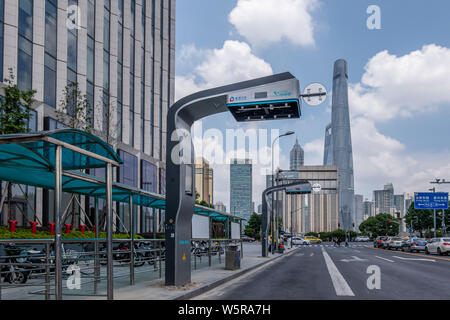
263,22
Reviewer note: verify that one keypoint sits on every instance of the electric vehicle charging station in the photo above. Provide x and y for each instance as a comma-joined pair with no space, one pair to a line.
273,97
298,187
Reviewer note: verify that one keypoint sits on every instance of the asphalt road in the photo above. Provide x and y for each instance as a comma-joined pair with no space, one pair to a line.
328,272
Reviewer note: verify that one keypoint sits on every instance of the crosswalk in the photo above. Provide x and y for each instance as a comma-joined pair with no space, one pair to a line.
334,246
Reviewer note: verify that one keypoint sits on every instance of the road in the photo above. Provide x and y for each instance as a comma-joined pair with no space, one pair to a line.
328,272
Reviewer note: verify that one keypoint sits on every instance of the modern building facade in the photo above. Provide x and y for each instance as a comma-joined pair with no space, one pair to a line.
368,209
220,206
338,144
121,54
241,188
384,200
359,210
204,180
316,212
297,156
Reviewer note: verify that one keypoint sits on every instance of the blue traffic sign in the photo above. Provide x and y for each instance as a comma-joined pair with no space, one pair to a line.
431,200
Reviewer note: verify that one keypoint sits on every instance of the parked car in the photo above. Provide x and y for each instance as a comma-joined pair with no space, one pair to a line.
395,243
300,241
378,243
440,246
246,238
415,244
313,239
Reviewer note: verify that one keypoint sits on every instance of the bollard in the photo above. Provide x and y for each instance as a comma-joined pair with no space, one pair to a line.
83,228
68,226
33,226
52,228
12,225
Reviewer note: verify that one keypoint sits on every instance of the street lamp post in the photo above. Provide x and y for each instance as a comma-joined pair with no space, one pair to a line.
275,223
434,213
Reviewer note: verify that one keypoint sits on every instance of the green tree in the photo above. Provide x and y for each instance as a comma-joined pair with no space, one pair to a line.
422,219
15,112
379,225
253,226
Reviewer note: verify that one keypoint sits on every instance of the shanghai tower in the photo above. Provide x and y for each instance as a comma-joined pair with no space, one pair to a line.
338,144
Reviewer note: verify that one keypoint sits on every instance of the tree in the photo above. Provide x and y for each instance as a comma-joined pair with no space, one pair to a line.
420,219
15,112
253,226
75,110
380,225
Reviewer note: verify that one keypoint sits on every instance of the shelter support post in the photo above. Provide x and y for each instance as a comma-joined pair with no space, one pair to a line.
96,248
110,278
131,228
57,206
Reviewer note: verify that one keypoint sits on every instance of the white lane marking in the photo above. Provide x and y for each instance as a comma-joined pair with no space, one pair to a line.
384,259
355,258
312,253
415,259
340,285
358,251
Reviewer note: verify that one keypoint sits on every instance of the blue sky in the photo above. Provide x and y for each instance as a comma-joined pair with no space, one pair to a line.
399,75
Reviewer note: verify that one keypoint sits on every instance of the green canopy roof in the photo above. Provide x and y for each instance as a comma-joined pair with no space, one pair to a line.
29,159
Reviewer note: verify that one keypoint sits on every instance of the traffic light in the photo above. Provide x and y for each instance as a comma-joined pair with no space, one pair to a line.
389,221
353,224
339,224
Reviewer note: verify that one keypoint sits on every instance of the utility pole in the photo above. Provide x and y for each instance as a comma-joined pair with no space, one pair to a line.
440,181
434,213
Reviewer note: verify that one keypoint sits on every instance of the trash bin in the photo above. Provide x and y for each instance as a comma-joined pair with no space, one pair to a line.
232,258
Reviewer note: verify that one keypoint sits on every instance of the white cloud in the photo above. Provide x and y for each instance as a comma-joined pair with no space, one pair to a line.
314,152
263,22
234,62
395,86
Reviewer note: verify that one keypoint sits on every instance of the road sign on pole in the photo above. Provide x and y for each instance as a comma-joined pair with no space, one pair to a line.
431,200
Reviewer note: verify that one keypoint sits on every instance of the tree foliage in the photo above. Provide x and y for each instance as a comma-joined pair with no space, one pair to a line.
380,226
422,219
253,226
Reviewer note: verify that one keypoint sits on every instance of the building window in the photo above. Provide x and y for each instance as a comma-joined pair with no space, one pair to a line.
143,23
2,30
90,58
128,171
132,66
51,14
149,176
120,72
25,52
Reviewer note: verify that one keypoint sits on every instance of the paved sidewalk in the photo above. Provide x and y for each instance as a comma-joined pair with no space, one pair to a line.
202,279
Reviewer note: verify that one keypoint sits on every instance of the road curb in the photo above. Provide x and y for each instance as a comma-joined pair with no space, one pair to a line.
208,287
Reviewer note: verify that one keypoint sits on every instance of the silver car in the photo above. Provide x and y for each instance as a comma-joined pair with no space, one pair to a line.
298,240
395,243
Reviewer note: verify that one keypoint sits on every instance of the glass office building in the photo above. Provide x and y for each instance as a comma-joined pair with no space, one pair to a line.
121,53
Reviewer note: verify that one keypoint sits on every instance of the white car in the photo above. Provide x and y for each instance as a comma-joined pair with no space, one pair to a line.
298,241
439,246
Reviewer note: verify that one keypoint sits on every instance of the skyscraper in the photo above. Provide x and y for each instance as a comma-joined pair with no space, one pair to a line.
122,56
384,200
241,188
359,210
338,144
297,156
204,180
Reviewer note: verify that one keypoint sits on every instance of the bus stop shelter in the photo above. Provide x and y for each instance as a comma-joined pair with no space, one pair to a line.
55,160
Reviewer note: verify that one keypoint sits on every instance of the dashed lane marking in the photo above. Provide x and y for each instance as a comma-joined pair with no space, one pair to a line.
384,259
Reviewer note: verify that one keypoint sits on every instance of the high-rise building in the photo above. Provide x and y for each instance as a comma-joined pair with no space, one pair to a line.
368,209
338,144
220,206
384,200
241,188
316,212
359,210
121,54
297,156
204,180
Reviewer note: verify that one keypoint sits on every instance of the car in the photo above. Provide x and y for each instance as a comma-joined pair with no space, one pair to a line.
362,239
378,243
300,241
313,239
415,245
440,246
246,238
395,243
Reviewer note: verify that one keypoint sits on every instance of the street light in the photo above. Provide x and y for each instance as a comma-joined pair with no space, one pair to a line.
275,223
434,210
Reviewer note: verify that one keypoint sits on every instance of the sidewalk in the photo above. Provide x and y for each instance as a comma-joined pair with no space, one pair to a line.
203,279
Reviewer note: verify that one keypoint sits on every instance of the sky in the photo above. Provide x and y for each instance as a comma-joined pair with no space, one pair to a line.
399,76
